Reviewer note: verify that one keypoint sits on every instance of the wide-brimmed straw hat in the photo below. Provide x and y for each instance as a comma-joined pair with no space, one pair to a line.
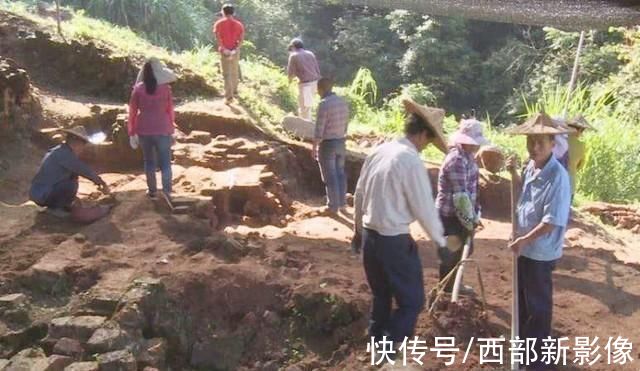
81,133
579,122
162,73
540,124
469,132
433,117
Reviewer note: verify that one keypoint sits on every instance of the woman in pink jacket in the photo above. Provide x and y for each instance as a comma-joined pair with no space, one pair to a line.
151,119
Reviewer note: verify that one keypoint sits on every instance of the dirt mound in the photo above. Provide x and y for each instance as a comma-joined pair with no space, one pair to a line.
87,68
462,320
623,217
20,111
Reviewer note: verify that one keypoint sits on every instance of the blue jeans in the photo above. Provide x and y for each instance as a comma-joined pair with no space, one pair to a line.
393,269
157,146
535,301
62,194
331,156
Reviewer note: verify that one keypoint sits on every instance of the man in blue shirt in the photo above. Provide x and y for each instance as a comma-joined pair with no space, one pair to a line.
55,186
541,220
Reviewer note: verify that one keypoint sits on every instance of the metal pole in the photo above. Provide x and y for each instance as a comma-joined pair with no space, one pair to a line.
515,310
574,75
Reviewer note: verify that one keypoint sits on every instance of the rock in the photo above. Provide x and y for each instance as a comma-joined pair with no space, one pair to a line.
3,363
13,301
19,316
293,368
13,341
141,301
27,360
272,318
198,137
100,302
79,238
131,317
218,352
270,366
121,360
153,353
58,363
83,366
80,328
69,347
108,338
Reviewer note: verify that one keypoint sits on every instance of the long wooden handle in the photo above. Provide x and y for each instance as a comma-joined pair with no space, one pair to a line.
515,310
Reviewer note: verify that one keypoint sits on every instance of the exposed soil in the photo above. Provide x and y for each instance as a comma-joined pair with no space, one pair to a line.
249,276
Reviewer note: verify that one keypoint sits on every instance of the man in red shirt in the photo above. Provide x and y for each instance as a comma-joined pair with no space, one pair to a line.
230,33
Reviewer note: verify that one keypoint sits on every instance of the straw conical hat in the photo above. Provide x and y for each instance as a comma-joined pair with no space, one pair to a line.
540,123
579,122
434,118
79,132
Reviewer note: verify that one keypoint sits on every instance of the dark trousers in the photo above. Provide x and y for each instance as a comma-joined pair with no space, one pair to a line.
535,301
449,259
393,269
62,194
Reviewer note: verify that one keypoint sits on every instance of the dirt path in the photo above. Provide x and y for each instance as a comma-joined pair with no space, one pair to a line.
252,277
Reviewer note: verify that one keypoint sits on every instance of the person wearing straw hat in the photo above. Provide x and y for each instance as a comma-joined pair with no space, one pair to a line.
542,213
303,65
55,185
577,149
151,122
392,192
229,33
457,200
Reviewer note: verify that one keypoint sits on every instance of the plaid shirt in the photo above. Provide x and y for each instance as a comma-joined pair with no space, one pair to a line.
459,173
333,118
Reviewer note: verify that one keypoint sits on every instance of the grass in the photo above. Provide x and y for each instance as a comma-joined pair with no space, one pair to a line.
612,171
611,174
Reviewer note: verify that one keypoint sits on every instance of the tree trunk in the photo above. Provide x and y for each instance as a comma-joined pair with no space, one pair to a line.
58,17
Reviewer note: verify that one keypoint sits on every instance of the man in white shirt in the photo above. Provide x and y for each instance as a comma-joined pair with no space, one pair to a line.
394,191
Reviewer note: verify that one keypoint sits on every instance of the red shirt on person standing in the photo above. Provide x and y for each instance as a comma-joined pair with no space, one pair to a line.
230,33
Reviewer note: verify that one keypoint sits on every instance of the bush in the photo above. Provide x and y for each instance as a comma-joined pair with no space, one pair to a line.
612,170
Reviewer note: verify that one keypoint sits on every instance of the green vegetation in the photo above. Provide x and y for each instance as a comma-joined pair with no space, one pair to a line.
379,56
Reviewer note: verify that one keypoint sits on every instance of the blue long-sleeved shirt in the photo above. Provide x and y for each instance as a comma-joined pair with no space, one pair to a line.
59,164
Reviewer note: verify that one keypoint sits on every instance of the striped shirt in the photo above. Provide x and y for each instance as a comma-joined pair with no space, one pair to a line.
304,66
459,173
332,118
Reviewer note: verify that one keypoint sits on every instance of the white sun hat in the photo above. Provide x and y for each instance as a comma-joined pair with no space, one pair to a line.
469,132
163,74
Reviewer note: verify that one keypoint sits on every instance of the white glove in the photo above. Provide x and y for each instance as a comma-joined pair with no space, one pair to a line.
134,141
